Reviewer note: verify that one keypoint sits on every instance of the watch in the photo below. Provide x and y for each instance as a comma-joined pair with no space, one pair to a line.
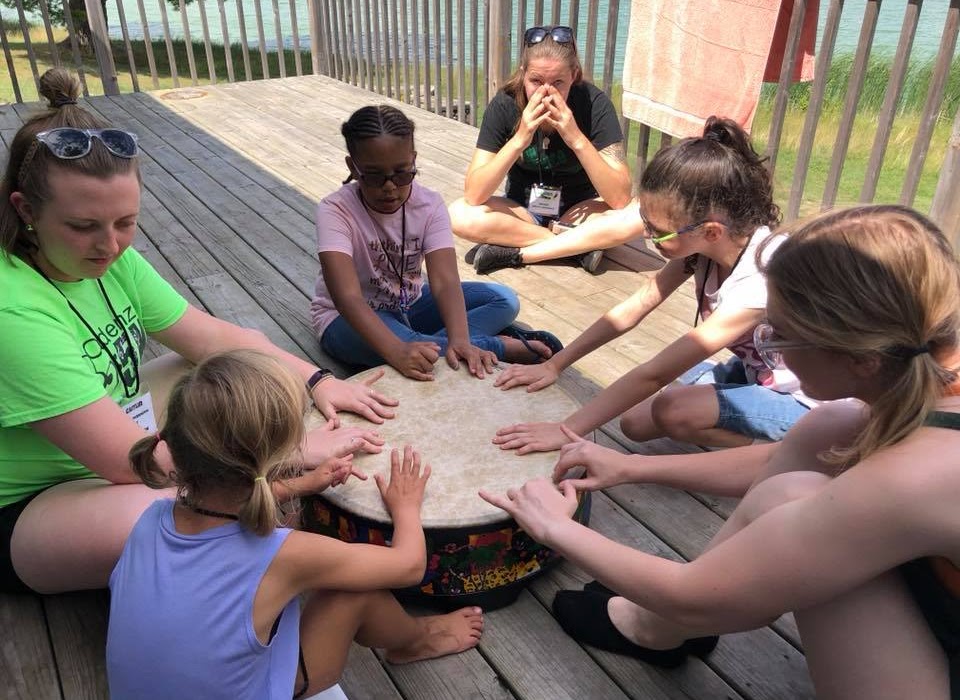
317,377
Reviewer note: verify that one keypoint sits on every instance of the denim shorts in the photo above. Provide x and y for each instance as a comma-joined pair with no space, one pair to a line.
745,408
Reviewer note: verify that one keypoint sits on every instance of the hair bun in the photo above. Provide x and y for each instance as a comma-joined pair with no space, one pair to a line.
60,88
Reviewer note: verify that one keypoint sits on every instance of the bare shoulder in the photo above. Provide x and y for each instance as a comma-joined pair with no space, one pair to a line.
919,477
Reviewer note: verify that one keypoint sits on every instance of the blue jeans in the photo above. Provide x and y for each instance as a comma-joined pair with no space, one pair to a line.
747,409
490,308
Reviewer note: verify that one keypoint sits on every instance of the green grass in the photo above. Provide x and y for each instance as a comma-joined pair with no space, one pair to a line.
888,190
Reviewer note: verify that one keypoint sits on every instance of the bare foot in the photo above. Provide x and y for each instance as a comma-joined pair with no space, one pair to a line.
515,351
442,635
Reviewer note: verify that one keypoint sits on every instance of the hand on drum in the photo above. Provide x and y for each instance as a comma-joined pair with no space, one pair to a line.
332,395
332,443
602,464
531,437
407,482
536,505
415,359
479,362
534,377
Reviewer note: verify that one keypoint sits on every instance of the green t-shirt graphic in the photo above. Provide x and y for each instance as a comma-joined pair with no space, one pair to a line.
52,364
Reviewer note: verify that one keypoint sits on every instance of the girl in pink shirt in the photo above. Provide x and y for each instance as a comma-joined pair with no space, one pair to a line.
371,304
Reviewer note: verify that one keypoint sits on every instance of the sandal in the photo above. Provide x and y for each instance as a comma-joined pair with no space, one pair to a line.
583,615
525,336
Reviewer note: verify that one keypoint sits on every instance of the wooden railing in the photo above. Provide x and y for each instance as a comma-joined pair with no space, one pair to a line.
450,56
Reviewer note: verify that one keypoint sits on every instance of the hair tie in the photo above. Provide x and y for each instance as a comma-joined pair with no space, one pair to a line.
712,136
905,352
260,478
62,102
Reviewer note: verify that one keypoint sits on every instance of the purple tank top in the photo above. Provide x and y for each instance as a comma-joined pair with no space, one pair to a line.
181,615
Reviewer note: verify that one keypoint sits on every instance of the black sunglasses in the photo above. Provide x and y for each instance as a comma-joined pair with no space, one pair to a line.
401,178
561,35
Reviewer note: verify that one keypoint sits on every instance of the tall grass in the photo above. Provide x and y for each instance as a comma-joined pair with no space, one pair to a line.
912,98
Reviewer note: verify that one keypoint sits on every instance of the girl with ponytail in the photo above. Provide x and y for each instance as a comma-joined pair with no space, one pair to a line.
850,523
205,600
707,205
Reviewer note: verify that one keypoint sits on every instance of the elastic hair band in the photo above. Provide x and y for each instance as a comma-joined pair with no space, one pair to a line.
62,102
904,352
260,478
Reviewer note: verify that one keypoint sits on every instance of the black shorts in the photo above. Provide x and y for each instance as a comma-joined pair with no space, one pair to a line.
9,581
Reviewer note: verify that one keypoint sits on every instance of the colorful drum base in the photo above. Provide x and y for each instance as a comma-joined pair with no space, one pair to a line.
486,565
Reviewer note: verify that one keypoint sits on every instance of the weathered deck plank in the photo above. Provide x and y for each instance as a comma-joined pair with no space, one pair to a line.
231,181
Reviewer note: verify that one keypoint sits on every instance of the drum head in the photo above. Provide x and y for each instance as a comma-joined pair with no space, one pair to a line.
452,421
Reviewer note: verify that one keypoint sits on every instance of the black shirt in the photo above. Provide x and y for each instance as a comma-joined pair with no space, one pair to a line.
595,116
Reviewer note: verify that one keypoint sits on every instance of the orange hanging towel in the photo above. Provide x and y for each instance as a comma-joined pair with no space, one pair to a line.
689,59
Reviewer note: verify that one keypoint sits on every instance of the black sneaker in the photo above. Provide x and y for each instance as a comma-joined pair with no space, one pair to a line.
471,254
491,257
591,261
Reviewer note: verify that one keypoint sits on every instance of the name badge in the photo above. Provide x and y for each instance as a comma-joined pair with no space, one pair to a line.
140,410
544,200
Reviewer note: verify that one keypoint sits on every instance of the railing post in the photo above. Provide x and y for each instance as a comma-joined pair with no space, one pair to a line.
499,57
318,49
102,47
945,210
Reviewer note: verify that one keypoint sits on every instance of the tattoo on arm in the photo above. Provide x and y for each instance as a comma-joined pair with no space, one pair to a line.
616,152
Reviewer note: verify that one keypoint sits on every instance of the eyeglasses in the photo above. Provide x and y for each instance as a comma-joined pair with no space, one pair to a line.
662,236
401,178
534,35
770,349
68,143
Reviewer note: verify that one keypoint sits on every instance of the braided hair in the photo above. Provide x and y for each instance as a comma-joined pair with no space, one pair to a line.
372,121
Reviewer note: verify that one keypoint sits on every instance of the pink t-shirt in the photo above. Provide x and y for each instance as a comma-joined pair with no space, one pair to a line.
373,240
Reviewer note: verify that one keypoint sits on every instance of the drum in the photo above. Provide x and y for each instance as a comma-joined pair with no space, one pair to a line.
476,553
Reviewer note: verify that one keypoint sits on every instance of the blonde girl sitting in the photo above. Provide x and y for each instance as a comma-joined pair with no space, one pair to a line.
206,596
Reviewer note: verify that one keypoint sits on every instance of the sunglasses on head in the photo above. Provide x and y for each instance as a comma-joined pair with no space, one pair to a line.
534,35
401,178
68,143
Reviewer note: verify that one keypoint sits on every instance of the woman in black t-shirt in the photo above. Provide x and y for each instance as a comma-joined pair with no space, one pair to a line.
557,140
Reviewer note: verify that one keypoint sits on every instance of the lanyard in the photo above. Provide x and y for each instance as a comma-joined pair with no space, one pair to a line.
127,388
706,277
539,140
398,271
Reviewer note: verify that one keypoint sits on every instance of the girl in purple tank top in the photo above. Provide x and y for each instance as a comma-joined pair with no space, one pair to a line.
206,595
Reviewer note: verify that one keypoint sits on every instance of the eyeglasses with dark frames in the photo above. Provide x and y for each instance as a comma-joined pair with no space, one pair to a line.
401,178
560,34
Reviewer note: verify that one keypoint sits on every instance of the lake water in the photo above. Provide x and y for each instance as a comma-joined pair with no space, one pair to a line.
926,43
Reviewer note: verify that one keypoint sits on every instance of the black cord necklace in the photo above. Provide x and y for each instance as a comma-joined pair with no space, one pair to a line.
706,276
129,390
209,513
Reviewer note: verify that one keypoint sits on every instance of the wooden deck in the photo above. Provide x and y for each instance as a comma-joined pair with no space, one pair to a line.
231,176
